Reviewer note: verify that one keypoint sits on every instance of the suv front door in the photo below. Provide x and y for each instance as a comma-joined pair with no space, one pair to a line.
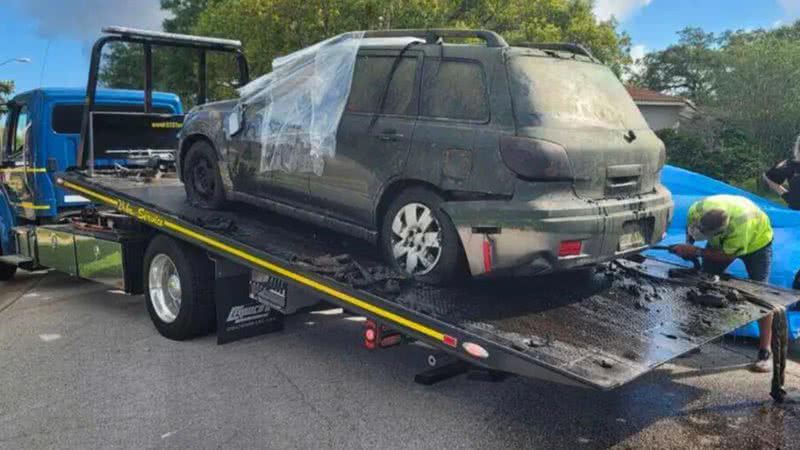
374,135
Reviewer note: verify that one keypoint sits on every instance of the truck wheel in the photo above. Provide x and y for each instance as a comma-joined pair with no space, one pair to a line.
7,271
178,289
201,177
418,238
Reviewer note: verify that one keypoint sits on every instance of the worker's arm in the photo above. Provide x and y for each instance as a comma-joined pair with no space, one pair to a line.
716,255
688,251
775,187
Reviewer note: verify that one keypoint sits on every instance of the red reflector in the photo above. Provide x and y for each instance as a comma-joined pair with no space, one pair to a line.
487,255
569,248
450,340
369,334
475,350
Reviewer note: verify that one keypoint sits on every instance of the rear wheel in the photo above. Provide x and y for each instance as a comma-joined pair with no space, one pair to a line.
201,177
178,289
418,238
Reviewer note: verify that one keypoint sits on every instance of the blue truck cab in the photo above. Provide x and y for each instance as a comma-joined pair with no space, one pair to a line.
41,136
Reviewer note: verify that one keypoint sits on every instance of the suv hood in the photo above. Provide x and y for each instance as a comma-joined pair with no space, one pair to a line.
604,163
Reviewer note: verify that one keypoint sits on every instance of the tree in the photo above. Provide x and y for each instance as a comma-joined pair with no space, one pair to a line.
687,68
758,91
270,28
6,88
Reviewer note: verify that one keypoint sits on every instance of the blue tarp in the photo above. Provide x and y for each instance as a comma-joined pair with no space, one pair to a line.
688,187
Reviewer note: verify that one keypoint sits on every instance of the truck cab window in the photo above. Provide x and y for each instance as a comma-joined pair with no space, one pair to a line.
18,137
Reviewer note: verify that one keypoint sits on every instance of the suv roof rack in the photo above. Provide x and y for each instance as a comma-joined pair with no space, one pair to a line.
432,35
561,47
172,39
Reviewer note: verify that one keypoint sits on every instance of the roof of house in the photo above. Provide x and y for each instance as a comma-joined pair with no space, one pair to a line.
642,95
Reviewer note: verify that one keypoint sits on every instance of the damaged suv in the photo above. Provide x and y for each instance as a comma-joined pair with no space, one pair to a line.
454,158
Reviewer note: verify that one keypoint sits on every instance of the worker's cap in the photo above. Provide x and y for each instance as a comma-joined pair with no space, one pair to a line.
712,222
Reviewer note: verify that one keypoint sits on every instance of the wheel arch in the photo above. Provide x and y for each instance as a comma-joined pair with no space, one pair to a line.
393,189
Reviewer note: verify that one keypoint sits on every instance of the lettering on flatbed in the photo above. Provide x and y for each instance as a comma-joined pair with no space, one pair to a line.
140,213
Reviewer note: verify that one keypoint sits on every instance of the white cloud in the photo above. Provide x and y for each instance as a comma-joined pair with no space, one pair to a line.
791,7
638,52
82,19
636,67
620,9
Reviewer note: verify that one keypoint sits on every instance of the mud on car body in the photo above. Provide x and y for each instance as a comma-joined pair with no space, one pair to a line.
455,158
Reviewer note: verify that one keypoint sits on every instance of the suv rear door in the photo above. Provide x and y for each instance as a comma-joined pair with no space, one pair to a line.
455,142
374,135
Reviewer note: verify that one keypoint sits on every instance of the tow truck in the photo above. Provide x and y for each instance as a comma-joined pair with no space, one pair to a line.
241,271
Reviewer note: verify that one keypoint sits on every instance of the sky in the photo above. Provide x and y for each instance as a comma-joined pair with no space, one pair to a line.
57,34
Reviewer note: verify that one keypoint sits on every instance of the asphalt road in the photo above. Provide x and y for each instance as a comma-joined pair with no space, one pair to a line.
81,367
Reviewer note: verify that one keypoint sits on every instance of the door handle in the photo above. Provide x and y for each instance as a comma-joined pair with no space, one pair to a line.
389,136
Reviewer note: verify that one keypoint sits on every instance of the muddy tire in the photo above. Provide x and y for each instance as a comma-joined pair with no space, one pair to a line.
178,289
418,238
7,271
202,178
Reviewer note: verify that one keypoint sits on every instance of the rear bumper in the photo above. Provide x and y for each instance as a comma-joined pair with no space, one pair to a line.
523,237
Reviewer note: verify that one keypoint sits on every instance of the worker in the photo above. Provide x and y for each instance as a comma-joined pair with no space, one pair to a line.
734,227
787,173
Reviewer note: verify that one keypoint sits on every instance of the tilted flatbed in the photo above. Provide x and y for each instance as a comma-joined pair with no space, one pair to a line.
601,332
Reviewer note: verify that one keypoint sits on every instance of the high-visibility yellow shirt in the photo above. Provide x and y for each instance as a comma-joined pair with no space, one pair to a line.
749,229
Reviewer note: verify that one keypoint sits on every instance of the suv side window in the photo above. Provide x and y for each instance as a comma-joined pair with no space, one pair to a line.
454,89
370,76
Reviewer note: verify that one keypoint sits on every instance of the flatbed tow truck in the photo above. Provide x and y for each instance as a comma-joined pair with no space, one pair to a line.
242,270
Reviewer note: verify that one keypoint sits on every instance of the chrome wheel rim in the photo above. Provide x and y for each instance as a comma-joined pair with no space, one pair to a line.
416,239
164,288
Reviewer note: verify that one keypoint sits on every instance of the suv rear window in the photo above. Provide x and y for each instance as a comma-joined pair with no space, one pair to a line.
369,84
557,93
67,118
454,90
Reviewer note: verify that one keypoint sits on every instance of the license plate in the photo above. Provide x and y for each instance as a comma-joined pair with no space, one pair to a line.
631,240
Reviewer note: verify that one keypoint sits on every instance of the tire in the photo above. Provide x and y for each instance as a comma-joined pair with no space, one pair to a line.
202,178
435,267
7,271
195,314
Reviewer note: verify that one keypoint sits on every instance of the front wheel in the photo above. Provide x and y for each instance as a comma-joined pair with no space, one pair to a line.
202,178
418,238
178,289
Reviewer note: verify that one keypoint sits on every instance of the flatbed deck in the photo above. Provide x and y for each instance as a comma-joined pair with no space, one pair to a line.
600,331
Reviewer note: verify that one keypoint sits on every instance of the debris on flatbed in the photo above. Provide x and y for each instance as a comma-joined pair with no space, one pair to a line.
344,269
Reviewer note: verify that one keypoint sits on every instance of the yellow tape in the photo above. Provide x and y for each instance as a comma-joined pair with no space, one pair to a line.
156,219
24,170
29,205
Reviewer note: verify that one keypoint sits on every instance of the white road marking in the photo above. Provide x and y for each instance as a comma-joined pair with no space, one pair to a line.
49,337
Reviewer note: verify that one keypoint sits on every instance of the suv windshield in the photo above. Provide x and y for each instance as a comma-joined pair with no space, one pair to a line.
558,93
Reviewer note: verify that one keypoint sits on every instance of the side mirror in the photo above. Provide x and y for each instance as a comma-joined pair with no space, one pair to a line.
235,121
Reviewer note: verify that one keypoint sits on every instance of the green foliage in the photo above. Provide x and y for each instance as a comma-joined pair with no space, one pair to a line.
727,154
6,88
687,68
270,28
759,91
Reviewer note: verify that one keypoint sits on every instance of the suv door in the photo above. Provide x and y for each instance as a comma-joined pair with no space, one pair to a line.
452,137
374,135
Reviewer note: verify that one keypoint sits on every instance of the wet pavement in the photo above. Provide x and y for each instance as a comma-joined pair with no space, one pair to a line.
81,367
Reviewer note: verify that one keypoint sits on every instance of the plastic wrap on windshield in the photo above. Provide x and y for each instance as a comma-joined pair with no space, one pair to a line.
301,103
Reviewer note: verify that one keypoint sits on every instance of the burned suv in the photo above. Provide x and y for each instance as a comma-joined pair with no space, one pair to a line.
456,157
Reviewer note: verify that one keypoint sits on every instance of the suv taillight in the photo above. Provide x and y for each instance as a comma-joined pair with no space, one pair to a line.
535,159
